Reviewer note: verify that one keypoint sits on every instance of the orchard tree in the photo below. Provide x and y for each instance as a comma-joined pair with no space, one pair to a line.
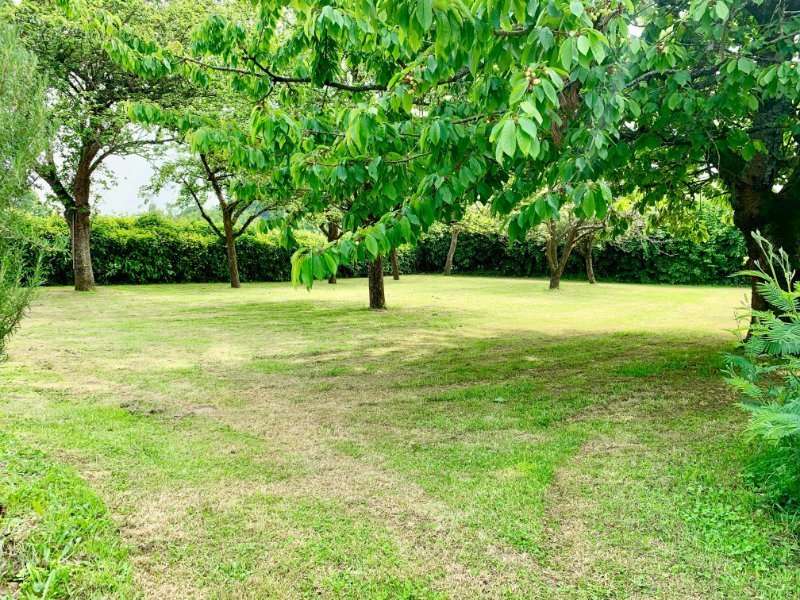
86,93
716,92
239,200
423,107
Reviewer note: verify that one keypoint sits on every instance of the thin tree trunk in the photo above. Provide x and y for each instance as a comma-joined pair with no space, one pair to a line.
590,267
587,256
451,251
333,235
230,247
377,298
395,266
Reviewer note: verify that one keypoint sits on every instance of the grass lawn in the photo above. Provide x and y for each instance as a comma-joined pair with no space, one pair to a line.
483,438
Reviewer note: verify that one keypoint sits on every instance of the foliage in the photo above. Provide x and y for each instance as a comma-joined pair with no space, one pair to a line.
55,532
156,249
766,375
421,108
21,114
21,138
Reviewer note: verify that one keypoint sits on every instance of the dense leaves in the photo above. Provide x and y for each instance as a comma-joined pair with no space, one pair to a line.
153,249
765,375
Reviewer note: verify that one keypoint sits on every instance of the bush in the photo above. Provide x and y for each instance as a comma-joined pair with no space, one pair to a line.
155,249
766,375
19,274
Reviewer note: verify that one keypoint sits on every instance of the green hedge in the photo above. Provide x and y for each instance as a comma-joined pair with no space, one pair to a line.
657,259
154,249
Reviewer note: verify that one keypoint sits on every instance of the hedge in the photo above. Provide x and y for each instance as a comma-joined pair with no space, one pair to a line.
155,249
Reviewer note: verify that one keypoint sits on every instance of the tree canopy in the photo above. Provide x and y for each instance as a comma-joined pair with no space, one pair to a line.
422,107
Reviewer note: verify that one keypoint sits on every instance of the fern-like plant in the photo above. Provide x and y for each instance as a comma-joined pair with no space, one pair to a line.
767,375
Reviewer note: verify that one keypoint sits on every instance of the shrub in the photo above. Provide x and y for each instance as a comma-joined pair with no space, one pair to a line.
766,375
20,272
155,249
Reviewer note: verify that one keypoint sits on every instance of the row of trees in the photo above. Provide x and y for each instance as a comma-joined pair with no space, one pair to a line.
395,114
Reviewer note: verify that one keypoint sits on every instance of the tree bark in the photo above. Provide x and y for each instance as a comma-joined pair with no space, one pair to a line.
395,266
451,251
333,235
377,299
78,217
230,247
81,230
588,259
558,263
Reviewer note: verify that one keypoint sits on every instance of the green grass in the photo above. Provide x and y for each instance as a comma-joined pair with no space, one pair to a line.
482,438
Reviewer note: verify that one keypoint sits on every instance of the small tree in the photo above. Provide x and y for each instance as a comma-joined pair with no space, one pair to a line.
239,200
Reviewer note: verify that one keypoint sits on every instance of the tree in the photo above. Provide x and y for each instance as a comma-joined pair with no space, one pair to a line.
239,200
423,107
714,89
455,229
565,235
22,135
86,93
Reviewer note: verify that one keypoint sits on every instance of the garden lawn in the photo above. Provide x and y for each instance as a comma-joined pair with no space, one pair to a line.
481,438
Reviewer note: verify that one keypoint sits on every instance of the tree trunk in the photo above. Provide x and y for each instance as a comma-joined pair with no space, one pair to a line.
557,263
79,220
395,266
377,299
587,256
81,231
333,235
451,251
230,247
590,267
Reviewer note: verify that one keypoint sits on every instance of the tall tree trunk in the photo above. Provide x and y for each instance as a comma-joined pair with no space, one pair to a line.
230,247
79,219
377,299
333,235
395,266
451,251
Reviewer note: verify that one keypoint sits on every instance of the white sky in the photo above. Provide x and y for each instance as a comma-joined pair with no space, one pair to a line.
126,196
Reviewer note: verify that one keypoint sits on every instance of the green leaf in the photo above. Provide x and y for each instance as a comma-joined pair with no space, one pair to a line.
372,245
576,7
583,45
507,141
550,92
425,13
746,65
674,100
528,126
722,10
565,53
518,91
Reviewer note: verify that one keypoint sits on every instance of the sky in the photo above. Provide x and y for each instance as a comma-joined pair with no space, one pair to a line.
126,197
